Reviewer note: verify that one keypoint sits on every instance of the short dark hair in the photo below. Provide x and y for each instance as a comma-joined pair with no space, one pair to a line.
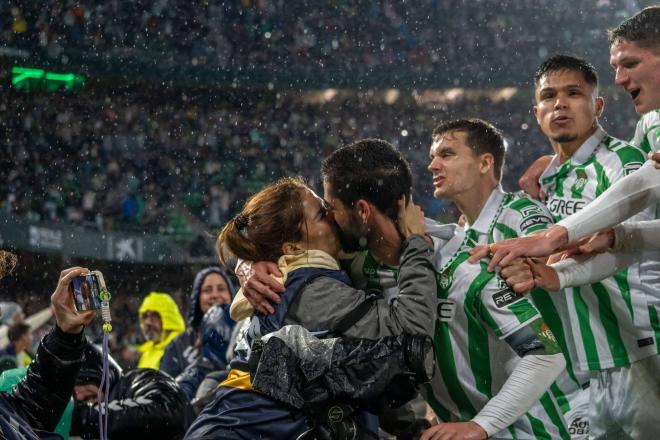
643,28
369,169
567,62
482,137
17,330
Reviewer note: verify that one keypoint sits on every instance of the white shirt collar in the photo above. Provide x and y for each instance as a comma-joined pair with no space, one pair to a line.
581,155
488,212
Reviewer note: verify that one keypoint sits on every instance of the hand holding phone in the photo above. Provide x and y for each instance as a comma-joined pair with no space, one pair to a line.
86,290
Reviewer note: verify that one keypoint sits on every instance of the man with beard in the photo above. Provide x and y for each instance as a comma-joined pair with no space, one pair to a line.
161,322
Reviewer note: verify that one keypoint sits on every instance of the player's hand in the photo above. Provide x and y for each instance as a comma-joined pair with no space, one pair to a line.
261,288
537,245
68,319
410,219
655,155
518,276
455,431
597,243
545,277
529,181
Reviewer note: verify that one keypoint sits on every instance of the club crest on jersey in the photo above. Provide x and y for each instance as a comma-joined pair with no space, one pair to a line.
446,310
581,181
505,296
444,279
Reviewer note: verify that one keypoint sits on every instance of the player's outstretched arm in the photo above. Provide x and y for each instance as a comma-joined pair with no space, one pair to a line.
505,252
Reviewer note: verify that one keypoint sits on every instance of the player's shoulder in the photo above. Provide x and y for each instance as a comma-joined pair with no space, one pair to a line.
617,152
525,215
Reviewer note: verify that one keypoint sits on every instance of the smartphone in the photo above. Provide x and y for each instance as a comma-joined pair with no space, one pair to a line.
86,290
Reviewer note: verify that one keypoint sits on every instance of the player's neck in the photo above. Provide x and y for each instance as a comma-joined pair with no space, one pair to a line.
566,150
384,240
472,202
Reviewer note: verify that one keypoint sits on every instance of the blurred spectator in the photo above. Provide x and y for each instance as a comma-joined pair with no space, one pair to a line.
212,286
161,322
19,351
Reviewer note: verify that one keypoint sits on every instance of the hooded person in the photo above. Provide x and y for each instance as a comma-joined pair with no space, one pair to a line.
212,286
143,403
161,322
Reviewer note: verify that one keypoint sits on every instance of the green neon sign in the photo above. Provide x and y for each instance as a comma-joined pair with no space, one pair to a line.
28,78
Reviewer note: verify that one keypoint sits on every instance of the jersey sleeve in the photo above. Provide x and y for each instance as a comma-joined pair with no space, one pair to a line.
647,132
502,309
631,159
521,217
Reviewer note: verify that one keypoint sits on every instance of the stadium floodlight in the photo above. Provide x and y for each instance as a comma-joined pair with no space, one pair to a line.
29,78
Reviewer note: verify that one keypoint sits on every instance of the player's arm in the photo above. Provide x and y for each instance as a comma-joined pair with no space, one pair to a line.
259,289
541,363
530,180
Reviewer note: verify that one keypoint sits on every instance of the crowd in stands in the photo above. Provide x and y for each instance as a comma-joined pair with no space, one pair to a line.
336,37
130,161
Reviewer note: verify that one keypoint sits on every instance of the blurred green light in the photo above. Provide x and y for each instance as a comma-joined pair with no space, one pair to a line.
30,78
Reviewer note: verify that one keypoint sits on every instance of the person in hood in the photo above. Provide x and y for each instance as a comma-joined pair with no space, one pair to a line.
212,286
143,403
161,322
33,408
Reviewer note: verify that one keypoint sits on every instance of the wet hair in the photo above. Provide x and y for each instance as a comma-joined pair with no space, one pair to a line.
270,218
7,263
642,28
17,331
369,169
562,62
482,138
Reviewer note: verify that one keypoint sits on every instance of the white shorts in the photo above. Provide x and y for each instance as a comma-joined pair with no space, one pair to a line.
625,401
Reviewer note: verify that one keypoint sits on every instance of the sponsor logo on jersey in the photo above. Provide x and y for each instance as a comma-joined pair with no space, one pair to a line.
531,210
631,167
644,342
563,208
446,310
534,220
505,297
579,426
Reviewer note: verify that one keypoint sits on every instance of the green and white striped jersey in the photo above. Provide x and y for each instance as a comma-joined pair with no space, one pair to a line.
533,216
611,321
647,133
476,311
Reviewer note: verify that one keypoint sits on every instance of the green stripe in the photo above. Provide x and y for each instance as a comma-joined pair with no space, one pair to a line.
621,278
555,418
506,231
477,335
550,315
537,428
610,324
603,180
447,366
588,339
560,397
561,176
442,412
523,310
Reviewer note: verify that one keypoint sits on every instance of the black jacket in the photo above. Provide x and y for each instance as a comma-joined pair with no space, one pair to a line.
143,404
38,401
